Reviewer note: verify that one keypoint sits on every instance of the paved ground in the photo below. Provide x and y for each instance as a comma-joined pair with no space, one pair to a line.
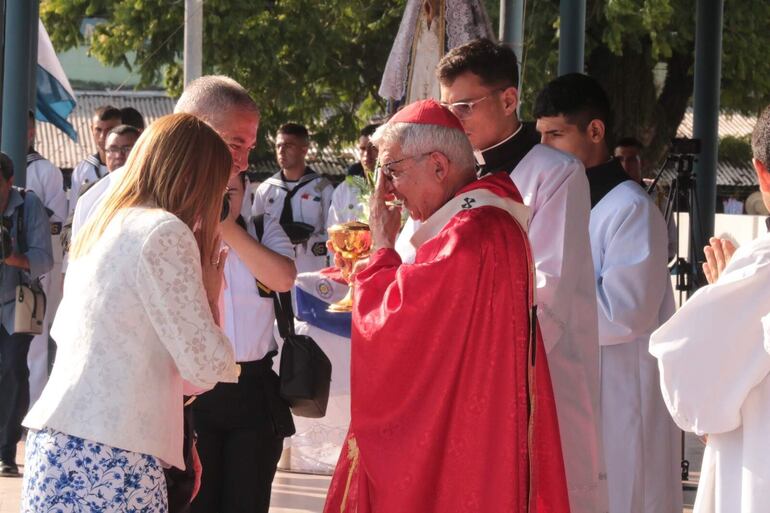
304,493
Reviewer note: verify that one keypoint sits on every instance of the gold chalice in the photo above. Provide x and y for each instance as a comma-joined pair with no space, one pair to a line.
352,241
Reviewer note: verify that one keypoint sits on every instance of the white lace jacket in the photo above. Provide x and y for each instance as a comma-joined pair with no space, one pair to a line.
134,322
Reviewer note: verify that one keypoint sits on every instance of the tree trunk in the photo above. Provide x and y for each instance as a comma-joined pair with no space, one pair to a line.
671,105
638,111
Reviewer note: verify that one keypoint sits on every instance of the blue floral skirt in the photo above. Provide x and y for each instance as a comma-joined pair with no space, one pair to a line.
66,474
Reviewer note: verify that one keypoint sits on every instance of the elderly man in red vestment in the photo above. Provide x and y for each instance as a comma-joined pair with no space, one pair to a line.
452,408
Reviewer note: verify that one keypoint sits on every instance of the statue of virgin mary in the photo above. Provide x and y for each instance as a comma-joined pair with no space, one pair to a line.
429,28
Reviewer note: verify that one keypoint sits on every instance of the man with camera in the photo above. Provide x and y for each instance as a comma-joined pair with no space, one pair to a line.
25,240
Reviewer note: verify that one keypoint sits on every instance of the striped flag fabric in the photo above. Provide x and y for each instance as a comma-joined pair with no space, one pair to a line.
55,98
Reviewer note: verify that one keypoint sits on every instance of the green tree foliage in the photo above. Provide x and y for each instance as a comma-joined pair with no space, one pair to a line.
643,51
320,62
317,63
736,150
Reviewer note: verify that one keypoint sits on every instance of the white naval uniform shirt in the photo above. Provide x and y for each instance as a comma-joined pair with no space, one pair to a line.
88,170
309,205
91,200
248,318
45,180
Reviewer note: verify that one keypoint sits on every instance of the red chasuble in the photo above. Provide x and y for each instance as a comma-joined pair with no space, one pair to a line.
448,413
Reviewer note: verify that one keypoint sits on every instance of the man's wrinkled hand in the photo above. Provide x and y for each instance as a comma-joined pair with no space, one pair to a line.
339,262
358,266
384,220
718,254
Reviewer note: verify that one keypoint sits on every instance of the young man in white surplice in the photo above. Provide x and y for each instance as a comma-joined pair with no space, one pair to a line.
633,292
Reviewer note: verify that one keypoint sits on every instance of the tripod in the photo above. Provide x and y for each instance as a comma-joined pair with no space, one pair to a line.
682,198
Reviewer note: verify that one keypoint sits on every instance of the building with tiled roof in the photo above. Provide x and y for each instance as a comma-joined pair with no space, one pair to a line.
66,153
736,125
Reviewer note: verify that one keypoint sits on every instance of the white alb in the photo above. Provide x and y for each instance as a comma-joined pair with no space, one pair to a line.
642,445
714,359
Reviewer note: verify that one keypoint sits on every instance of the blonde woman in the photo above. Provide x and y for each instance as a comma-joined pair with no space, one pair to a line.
134,323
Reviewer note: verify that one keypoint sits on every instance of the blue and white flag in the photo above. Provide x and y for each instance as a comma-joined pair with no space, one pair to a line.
314,292
55,98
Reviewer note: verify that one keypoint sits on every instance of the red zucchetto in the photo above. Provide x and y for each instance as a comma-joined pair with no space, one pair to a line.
427,112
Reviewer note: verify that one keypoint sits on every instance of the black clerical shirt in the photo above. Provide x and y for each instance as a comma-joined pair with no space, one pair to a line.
507,155
605,177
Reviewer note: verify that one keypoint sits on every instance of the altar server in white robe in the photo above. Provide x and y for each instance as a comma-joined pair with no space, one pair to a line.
629,243
478,83
714,358
348,201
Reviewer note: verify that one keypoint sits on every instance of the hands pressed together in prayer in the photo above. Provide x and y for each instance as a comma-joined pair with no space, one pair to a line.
718,254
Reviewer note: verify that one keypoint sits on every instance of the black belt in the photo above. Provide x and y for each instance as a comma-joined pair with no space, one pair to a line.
258,367
253,368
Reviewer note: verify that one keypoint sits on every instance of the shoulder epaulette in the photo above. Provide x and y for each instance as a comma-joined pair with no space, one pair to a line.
94,160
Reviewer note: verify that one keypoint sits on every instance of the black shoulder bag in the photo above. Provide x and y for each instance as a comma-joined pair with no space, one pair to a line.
305,371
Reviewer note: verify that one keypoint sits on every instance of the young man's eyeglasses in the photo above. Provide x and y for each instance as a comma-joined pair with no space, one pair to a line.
115,150
463,110
387,168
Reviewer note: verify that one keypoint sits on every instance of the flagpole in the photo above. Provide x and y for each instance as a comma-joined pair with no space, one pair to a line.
193,40
2,60
33,24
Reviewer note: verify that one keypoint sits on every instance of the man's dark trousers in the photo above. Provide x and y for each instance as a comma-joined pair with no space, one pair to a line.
240,428
14,390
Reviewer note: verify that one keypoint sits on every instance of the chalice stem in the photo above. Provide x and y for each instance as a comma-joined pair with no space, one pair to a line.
345,304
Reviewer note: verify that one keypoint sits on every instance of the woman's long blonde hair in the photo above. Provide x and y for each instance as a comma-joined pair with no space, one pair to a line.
180,165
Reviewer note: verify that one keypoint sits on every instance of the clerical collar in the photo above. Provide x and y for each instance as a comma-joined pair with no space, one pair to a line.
480,153
605,177
506,155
